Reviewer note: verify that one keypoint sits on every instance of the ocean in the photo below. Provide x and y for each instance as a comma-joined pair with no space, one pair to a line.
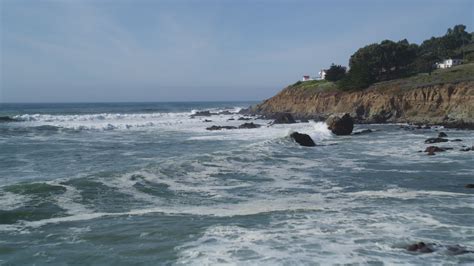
147,184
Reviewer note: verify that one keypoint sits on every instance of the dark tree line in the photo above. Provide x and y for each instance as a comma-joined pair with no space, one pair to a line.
391,60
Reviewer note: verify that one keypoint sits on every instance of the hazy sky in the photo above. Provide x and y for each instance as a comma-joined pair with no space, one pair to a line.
76,51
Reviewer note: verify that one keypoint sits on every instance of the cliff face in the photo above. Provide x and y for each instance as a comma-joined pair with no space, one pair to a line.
428,104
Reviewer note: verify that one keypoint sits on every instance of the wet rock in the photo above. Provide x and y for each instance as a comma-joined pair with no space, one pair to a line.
303,139
442,135
421,247
230,119
456,140
304,121
469,186
382,117
340,125
249,125
458,124
432,149
435,140
457,250
225,113
466,149
206,121
214,127
244,118
202,113
284,118
7,119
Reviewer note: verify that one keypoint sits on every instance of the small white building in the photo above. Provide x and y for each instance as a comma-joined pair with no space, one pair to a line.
306,78
322,74
447,63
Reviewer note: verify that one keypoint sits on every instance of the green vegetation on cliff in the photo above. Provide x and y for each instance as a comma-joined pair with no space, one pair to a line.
389,60
455,74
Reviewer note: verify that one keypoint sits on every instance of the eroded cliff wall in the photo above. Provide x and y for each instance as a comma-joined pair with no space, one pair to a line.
428,104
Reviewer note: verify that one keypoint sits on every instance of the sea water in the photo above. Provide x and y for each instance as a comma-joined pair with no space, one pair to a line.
147,184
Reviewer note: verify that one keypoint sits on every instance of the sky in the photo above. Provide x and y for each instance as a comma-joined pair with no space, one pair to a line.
144,50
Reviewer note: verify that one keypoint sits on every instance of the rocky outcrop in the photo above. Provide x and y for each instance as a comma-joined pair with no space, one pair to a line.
283,118
249,125
340,124
450,104
303,139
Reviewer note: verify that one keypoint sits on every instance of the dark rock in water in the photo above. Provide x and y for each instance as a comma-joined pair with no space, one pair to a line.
433,149
304,121
283,118
230,119
458,124
202,113
244,111
249,125
225,113
457,250
7,119
244,118
435,140
466,149
303,139
207,120
220,127
421,247
456,140
340,125
365,131
442,135
469,186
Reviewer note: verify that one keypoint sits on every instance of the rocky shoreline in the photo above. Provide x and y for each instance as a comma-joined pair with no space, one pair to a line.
450,105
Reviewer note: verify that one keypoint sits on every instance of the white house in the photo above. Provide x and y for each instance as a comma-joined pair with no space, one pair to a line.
322,74
447,63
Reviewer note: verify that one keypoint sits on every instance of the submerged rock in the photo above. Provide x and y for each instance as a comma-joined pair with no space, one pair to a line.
453,250
442,135
303,139
244,118
249,125
421,247
340,125
435,140
202,113
206,121
214,127
469,186
7,119
283,118
456,140
433,149
225,113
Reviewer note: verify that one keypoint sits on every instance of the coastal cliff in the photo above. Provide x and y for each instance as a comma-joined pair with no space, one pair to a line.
405,100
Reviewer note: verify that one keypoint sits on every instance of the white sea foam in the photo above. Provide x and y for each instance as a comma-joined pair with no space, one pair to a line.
10,201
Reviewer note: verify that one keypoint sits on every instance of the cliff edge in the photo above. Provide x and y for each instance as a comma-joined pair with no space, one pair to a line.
445,96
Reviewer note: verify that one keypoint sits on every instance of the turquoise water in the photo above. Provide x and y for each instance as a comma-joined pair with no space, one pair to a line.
146,184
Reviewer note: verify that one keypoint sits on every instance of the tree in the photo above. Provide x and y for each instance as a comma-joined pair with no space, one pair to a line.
385,61
335,73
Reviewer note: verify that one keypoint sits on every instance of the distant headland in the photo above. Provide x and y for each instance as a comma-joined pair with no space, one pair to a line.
431,83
